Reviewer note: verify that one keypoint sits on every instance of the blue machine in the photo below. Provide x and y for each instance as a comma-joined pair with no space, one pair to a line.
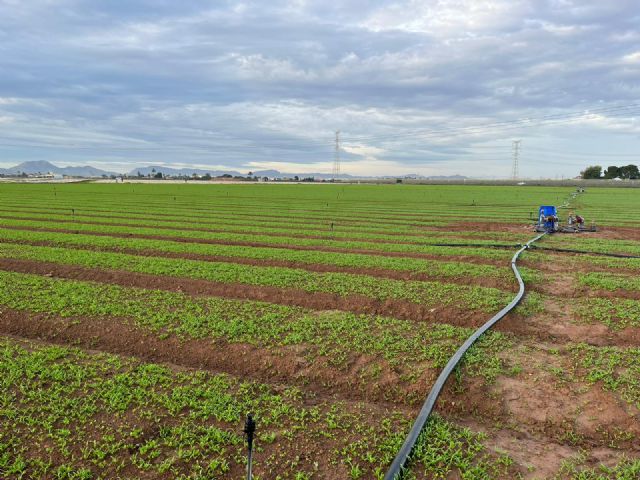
547,219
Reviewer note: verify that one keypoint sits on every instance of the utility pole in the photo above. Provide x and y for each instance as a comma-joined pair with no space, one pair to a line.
336,161
516,157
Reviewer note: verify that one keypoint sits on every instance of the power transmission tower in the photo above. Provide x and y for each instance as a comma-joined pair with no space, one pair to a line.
336,161
516,157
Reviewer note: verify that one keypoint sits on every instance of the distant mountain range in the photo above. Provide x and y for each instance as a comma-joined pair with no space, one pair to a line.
47,167
43,167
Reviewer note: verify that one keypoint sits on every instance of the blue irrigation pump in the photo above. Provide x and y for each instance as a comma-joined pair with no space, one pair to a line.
249,430
547,219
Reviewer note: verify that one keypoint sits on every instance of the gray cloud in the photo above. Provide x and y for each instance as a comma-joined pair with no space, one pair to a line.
238,83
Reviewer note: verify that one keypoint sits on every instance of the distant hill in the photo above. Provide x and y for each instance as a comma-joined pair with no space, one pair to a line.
88,171
46,167
447,177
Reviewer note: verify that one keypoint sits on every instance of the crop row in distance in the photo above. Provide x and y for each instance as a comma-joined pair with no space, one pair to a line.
314,225
411,201
180,228
420,292
189,216
407,347
276,241
233,227
99,416
434,268
242,212
612,206
268,215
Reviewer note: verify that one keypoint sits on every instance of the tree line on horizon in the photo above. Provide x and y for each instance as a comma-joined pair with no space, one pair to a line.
630,172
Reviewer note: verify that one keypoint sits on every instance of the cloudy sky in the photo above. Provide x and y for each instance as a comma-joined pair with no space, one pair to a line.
434,87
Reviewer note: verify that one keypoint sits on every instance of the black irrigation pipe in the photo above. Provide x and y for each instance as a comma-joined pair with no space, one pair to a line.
480,245
398,464
586,252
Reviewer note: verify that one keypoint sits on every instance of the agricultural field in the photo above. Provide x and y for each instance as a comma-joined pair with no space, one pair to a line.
141,323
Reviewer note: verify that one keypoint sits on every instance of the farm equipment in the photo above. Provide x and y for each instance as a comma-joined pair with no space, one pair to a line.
548,221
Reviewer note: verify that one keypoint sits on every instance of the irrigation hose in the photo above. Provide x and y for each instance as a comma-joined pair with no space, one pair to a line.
479,245
585,252
398,464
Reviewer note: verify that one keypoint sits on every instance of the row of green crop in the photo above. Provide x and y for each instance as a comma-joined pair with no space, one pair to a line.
222,227
196,218
426,205
334,334
346,213
343,284
359,199
234,221
322,217
352,260
263,239
222,221
70,415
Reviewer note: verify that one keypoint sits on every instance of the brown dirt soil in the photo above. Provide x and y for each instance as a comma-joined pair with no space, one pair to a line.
540,457
619,233
561,410
566,329
316,301
319,248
